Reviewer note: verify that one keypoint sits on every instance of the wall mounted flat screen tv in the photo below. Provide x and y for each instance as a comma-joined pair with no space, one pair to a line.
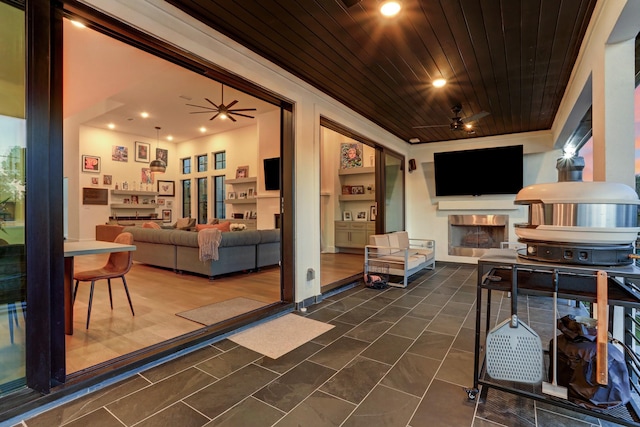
479,172
272,174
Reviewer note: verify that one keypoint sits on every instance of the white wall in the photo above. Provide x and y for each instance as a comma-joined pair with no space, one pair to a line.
99,142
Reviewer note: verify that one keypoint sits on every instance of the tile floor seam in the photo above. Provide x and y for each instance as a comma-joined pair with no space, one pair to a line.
195,410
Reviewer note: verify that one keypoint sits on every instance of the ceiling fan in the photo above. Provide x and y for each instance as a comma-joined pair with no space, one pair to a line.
459,123
224,111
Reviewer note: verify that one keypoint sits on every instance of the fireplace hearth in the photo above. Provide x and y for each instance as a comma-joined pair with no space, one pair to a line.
473,235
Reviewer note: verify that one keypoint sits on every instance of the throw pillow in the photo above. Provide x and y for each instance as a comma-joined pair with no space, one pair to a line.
214,221
184,223
151,225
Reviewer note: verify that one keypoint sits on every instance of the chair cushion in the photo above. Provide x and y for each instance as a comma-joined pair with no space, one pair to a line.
399,239
380,240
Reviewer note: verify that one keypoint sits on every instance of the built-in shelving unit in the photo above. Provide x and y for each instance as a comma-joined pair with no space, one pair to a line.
245,187
355,234
140,206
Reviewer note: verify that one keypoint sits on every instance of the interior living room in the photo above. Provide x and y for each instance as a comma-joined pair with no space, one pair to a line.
140,57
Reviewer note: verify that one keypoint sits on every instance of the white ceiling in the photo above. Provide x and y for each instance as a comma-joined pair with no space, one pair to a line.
107,81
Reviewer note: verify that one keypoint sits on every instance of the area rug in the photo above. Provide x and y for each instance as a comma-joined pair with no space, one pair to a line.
277,337
219,311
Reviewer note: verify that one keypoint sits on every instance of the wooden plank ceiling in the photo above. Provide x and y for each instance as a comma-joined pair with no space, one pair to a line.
509,58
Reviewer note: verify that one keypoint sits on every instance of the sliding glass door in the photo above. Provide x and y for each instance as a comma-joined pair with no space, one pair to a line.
393,178
12,193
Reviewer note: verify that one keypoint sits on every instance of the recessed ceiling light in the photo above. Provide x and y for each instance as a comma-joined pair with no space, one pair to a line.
414,140
439,82
169,138
203,129
111,126
144,114
390,8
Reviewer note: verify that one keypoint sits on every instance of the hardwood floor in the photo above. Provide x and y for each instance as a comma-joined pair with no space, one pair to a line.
157,295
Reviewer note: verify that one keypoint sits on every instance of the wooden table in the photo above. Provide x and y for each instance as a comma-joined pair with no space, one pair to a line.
72,249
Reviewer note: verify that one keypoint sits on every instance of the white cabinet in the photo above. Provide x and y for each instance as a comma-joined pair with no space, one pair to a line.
353,234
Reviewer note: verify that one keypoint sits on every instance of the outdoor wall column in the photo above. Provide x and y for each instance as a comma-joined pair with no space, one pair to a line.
613,113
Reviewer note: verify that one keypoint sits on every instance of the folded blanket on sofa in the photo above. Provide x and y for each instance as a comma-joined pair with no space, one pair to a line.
208,242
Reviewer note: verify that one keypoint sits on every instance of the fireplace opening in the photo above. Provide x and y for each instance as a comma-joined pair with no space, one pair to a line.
473,235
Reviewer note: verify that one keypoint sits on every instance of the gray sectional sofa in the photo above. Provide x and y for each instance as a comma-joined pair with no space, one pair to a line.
179,250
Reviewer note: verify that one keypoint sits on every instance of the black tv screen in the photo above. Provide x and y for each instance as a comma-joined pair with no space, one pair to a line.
272,173
479,172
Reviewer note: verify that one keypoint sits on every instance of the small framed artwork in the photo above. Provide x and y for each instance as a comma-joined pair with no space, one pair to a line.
346,189
242,172
242,195
106,179
166,215
170,204
361,216
94,181
247,214
160,202
231,195
90,164
166,188
238,216
142,152
126,201
134,200
357,189
162,154
350,155
346,216
254,215
119,153
251,192
373,212
146,177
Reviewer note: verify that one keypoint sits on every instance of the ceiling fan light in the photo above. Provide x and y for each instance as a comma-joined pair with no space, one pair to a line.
390,8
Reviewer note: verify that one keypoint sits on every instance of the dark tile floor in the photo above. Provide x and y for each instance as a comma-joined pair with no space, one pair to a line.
396,357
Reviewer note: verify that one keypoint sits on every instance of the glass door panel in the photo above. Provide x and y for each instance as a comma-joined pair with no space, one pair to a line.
12,195
393,193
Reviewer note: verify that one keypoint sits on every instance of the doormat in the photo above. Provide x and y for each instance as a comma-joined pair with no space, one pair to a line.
277,337
219,311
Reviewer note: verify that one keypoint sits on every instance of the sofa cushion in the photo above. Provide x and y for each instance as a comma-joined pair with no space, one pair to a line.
151,224
150,235
269,236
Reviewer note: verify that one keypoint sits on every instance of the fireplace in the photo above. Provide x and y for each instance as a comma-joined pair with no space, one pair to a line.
473,235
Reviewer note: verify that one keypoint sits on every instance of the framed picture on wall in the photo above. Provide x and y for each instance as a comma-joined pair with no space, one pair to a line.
90,164
346,216
166,188
361,216
166,215
142,152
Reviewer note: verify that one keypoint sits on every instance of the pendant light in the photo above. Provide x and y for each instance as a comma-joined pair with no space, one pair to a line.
158,165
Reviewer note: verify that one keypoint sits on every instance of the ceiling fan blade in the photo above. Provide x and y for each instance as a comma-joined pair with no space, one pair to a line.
212,103
430,126
243,115
475,117
234,102
202,106
229,116
243,109
216,115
